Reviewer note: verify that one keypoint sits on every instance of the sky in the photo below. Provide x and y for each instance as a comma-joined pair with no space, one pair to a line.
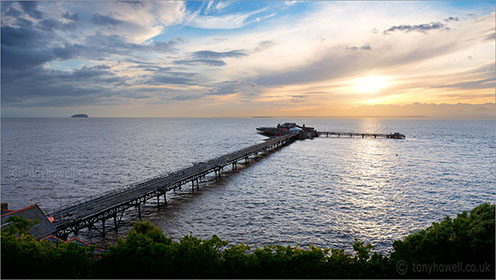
248,58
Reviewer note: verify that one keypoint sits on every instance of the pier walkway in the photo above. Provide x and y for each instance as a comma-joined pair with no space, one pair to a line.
112,205
395,135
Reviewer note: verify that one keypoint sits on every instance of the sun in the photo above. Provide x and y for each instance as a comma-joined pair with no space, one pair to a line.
371,83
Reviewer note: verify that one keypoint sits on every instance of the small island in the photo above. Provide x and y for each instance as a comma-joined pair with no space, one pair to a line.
79,116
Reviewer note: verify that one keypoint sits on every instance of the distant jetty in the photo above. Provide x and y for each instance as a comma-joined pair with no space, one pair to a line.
80,116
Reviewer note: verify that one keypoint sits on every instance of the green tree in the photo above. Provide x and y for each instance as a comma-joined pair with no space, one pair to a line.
467,239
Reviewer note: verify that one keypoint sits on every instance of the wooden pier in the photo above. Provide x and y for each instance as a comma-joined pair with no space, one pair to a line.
395,135
95,212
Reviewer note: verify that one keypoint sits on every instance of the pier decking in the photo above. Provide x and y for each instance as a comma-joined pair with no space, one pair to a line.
111,205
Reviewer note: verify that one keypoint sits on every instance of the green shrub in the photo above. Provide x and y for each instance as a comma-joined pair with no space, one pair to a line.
24,257
464,241
147,253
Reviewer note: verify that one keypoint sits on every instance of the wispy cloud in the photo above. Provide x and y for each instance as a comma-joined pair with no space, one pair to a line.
229,21
422,28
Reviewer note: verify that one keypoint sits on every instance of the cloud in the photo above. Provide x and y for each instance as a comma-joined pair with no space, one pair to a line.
460,110
23,48
422,28
210,58
44,87
105,20
362,48
162,79
134,4
52,24
229,21
451,19
167,77
73,17
477,84
120,52
216,7
30,8
217,55
208,62
491,37
331,65
264,45
331,62
221,5
166,46
185,97
244,88
12,12
148,66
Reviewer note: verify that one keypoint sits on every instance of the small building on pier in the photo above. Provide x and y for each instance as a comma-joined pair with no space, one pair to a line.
304,132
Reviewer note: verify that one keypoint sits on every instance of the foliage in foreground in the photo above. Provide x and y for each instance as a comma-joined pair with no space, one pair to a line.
148,253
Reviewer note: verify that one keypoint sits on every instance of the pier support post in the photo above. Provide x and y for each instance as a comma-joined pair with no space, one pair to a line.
139,211
165,198
115,221
103,227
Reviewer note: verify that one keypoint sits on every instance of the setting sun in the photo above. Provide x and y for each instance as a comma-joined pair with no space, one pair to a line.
371,84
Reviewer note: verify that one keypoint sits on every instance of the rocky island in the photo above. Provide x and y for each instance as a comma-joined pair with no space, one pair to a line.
79,116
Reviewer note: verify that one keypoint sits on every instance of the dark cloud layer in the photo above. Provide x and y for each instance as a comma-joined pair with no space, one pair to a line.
39,86
30,46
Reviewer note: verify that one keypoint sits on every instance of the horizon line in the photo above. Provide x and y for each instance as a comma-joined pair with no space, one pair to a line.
260,117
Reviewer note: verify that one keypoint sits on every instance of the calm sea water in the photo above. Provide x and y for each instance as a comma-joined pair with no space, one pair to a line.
325,191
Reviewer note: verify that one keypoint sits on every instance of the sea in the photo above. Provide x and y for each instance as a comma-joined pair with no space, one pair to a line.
324,192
